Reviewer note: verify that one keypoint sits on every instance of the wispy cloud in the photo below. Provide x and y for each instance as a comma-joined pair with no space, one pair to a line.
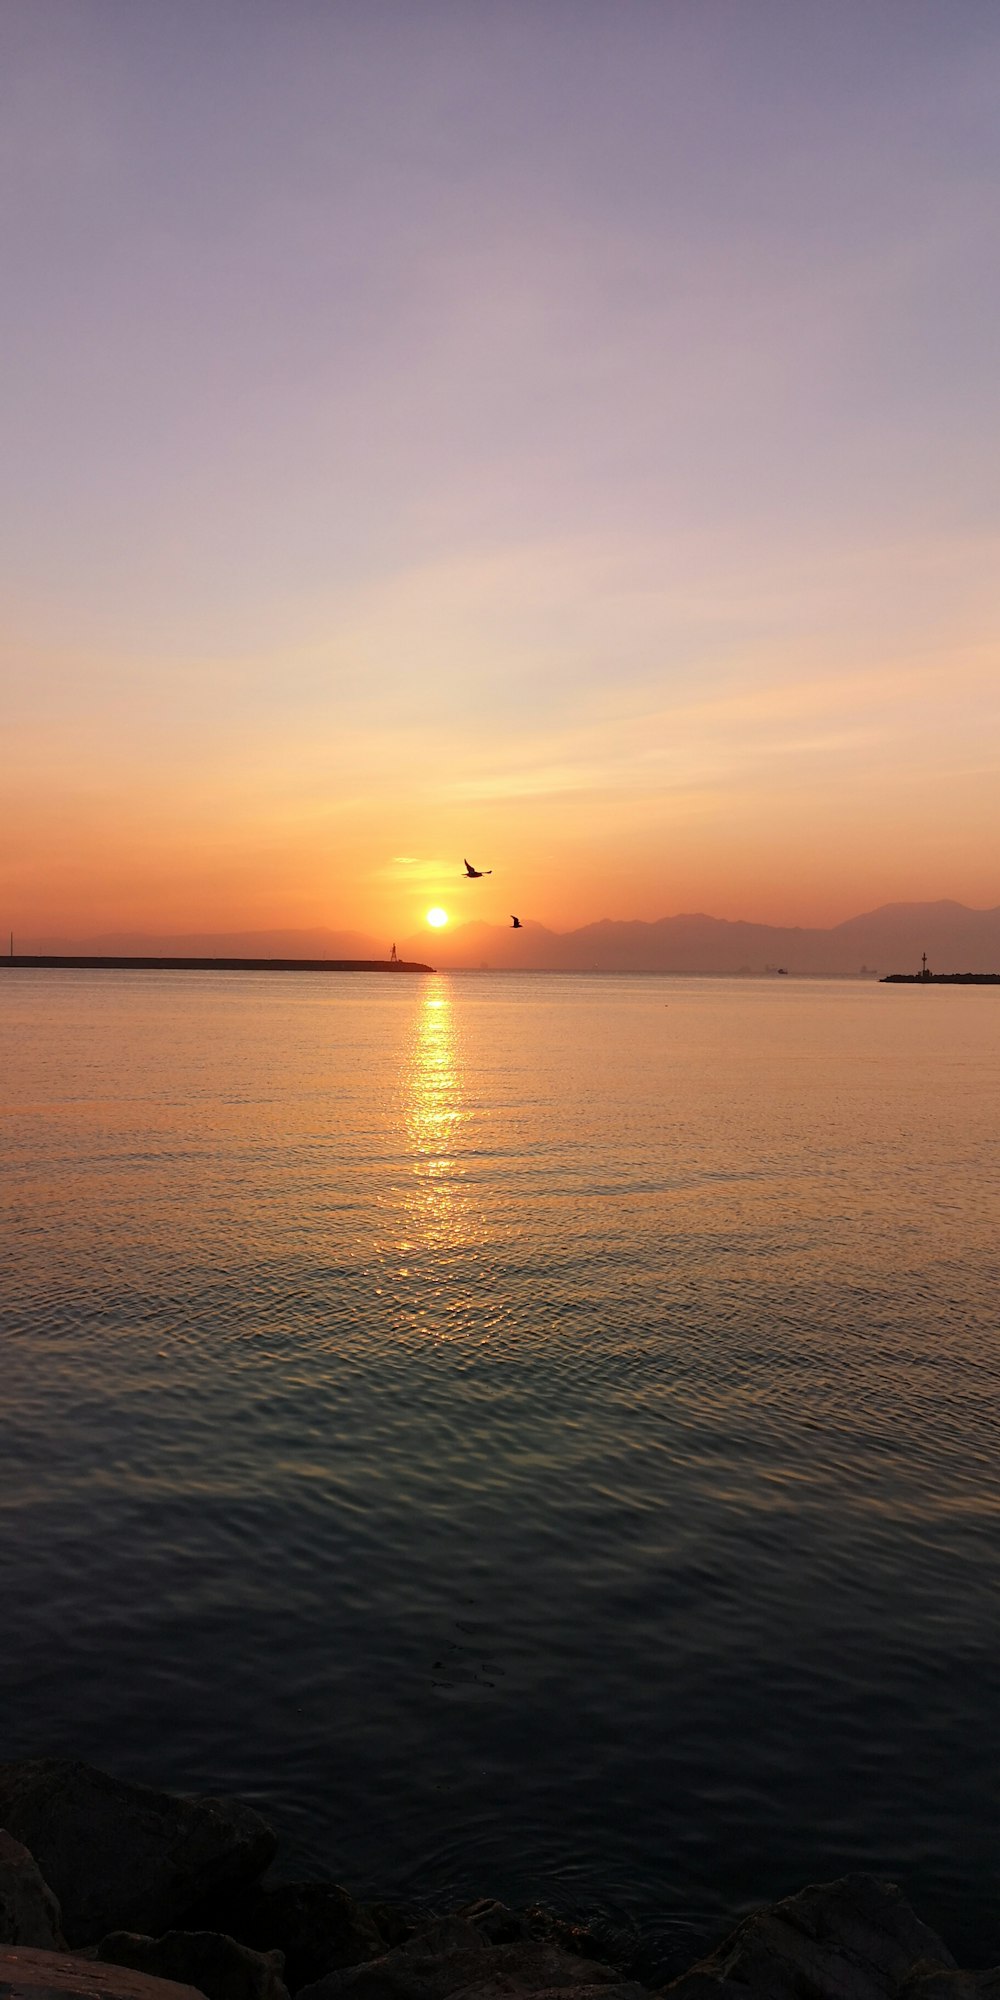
601,470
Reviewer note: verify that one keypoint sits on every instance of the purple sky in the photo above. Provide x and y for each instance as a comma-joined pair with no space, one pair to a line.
569,428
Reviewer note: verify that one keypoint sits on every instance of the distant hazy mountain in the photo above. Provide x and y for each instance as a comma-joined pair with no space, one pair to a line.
891,939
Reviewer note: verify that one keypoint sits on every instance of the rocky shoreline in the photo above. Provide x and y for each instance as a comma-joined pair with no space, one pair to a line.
114,1891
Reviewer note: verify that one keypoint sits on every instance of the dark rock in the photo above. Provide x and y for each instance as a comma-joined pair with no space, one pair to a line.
317,1925
854,1939
444,1937
494,1921
452,1957
26,1974
539,1967
934,1982
543,1923
502,1988
217,1965
29,1912
125,1857
395,1922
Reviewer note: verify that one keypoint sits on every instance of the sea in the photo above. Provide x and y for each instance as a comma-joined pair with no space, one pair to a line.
532,1435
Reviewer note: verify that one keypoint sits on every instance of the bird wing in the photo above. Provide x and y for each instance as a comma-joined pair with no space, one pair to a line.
470,870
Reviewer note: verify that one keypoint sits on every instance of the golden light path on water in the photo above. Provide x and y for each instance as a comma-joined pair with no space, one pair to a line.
440,1220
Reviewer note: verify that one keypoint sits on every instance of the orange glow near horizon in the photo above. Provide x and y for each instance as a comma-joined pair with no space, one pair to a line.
785,804
763,846
625,522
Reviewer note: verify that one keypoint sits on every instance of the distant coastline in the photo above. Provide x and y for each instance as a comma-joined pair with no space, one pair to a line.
862,947
93,963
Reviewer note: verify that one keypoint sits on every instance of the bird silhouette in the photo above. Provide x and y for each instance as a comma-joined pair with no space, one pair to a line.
516,921
476,874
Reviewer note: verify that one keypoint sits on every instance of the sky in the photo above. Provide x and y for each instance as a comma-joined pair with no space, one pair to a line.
560,435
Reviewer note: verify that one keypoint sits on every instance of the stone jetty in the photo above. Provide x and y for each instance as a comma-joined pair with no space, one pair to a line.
114,1891
100,962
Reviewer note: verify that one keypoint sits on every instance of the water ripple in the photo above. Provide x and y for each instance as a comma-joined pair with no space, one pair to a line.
530,1439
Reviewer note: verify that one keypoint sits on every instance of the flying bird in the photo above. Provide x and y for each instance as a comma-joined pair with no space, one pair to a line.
516,921
476,874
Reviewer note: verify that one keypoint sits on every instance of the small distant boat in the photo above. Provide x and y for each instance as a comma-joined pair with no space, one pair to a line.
783,969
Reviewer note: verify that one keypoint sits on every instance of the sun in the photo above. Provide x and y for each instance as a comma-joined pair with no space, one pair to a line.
437,917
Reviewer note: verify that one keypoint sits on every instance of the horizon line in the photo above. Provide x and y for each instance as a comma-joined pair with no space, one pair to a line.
527,923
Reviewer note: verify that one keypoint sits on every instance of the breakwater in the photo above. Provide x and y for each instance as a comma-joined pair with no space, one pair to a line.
79,962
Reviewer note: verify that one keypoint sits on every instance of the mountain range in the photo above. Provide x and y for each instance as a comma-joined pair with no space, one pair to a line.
889,939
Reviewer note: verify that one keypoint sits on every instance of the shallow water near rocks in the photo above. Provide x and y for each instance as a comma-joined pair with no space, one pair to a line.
531,1435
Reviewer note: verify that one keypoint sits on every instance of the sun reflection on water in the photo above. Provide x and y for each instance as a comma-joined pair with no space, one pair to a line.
439,1216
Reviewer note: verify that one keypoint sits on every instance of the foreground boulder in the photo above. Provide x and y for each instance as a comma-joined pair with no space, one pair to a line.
495,1922
455,1957
394,1922
932,1983
317,1925
29,1912
26,1974
854,1939
218,1966
125,1857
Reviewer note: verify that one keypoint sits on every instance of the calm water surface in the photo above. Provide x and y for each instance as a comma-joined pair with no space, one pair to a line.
533,1435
